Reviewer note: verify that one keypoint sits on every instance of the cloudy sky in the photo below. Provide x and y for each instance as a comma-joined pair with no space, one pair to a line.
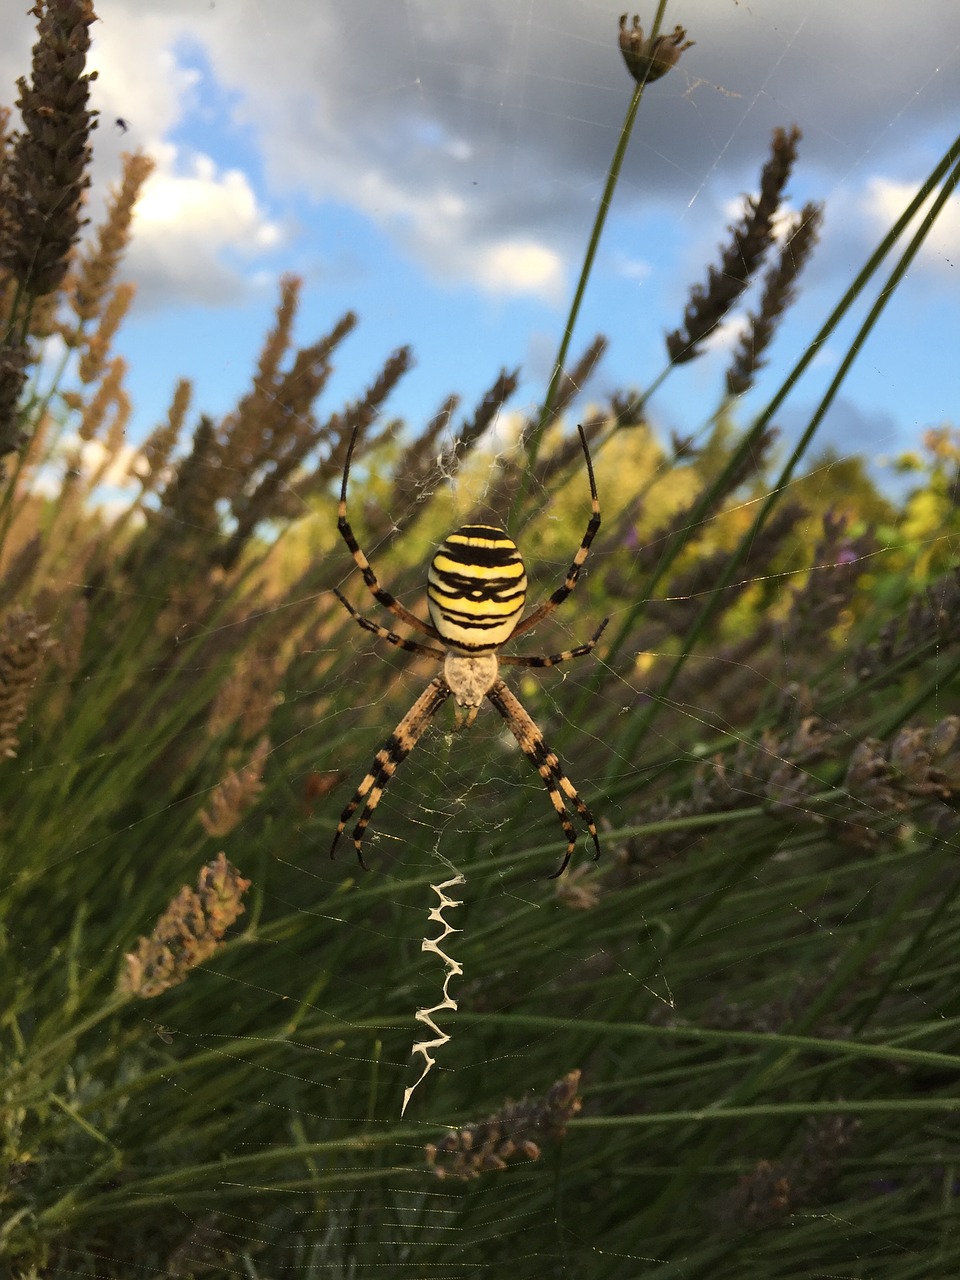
435,165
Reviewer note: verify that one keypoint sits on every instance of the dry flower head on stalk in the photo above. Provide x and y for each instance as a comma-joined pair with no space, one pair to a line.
44,179
779,291
931,617
14,360
647,59
189,932
514,1134
23,646
97,348
917,770
774,1189
579,890
160,444
101,258
235,794
741,256
248,696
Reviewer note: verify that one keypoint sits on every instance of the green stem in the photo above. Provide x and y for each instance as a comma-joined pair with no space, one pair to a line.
599,222
886,293
705,503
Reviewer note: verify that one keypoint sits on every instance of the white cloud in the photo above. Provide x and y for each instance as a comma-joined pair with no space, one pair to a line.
726,335
117,468
114,472
190,217
635,269
139,78
435,225
391,109
885,200
471,141
521,266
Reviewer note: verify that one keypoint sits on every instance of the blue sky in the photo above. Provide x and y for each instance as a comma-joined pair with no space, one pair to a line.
435,166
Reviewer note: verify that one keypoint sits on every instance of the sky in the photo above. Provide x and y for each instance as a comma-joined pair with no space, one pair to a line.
435,166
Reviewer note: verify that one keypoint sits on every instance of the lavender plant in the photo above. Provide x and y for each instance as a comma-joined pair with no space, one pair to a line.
732,1034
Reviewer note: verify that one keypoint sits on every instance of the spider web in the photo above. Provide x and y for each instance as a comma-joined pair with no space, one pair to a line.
455,156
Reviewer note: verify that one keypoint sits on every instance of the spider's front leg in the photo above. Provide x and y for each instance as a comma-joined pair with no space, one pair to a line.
379,592
388,759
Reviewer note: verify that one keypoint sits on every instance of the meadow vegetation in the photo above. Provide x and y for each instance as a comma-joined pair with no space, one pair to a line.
725,1050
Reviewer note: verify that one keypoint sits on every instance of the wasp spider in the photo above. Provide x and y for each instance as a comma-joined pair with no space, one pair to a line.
476,589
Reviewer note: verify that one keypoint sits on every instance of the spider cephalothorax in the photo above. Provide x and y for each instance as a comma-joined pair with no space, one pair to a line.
476,589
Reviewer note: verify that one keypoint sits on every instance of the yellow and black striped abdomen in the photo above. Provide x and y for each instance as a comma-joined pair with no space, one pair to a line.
476,588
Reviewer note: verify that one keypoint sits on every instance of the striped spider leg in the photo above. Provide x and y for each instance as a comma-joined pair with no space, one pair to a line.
573,573
476,592
387,760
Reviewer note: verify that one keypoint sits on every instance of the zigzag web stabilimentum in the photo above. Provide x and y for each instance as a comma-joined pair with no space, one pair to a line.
453,970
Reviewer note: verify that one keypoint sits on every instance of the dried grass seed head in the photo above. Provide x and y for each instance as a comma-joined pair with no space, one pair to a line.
779,290
162,440
189,931
649,59
99,262
235,794
14,361
515,1133
42,184
742,255
97,348
23,647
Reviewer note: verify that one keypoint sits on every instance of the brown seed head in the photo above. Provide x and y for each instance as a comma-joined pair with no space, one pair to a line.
23,645
189,932
42,184
13,378
514,1133
741,256
107,396
94,358
101,258
235,794
650,59
779,290
162,440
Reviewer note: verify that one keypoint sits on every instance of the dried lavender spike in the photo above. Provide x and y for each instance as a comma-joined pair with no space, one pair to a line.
13,377
741,257
647,59
42,185
779,291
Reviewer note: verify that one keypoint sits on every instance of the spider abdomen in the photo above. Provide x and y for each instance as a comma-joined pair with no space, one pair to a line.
476,588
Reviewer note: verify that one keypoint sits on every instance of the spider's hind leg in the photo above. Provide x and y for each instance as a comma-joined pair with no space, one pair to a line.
387,760
547,764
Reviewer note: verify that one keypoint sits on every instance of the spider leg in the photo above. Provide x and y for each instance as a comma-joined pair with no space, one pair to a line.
385,763
547,764
411,646
573,573
379,593
553,659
